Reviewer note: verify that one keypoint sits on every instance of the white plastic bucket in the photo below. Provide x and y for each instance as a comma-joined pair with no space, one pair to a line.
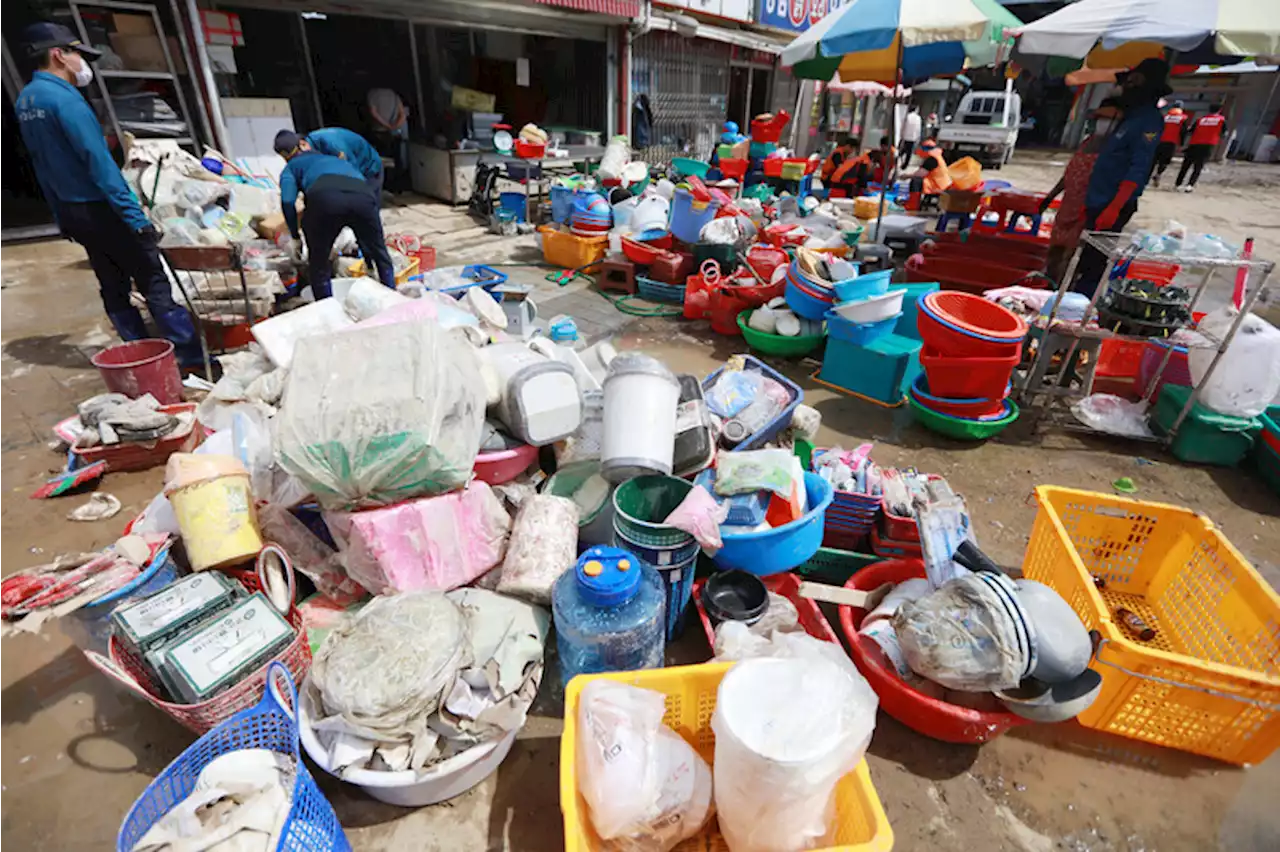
640,400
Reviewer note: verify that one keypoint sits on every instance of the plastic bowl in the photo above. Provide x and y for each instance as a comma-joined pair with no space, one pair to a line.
736,596
968,378
864,286
924,714
960,428
410,789
690,166
504,465
873,308
971,407
639,252
777,344
975,314
781,548
656,237
946,339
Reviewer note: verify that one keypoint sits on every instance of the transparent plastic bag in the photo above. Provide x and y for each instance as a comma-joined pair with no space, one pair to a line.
733,391
962,636
787,730
1113,414
1247,379
755,470
646,789
376,416
543,545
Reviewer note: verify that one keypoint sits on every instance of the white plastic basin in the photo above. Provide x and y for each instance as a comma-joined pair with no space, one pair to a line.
872,309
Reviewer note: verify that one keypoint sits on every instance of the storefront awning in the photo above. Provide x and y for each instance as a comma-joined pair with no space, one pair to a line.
688,25
617,8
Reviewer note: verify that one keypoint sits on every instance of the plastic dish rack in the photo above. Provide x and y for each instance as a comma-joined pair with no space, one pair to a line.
771,429
860,821
1209,682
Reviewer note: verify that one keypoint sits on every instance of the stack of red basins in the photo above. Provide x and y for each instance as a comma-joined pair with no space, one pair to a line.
971,347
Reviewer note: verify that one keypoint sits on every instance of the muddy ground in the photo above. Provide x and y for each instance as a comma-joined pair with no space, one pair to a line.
77,749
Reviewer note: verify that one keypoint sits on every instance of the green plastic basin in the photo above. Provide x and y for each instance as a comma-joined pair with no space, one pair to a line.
959,428
777,344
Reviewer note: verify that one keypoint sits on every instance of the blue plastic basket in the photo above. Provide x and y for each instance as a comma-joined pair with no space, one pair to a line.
516,202
859,334
864,286
771,429
479,275
781,548
656,291
745,510
311,826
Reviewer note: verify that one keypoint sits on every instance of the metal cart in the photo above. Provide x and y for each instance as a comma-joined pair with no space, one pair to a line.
1049,395
206,259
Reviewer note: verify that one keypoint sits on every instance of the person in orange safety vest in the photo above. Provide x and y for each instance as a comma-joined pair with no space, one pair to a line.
1206,133
847,147
933,174
1173,134
850,180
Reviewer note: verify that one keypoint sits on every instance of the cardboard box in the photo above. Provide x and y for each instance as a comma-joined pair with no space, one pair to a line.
271,227
144,53
127,24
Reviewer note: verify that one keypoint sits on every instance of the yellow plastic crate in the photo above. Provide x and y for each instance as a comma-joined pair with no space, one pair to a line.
1209,682
561,248
691,698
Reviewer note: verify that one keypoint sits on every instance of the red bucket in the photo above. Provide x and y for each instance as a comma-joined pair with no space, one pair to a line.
141,367
922,713
968,378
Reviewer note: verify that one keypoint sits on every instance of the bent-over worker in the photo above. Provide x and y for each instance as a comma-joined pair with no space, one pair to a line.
337,197
931,177
352,147
90,200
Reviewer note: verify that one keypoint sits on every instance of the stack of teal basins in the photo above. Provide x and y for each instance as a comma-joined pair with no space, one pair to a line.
971,347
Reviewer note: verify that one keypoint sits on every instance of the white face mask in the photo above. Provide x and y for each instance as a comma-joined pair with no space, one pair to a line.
84,74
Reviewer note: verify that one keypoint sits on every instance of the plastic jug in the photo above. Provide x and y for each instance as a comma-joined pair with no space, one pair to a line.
609,613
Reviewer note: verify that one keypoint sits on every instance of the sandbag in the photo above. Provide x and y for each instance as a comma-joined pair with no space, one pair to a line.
377,416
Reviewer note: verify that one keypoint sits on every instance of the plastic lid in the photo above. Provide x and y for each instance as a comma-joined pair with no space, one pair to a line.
631,363
608,576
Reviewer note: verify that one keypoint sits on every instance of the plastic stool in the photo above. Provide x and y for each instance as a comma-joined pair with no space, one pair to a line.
618,273
965,220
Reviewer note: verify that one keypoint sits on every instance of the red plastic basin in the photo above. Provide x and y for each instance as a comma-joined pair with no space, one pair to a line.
504,465
732,168
967,378
969,407
923,714
977,315
638,252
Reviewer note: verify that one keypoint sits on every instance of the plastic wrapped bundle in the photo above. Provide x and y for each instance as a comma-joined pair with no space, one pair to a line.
376,416
436,543
544,544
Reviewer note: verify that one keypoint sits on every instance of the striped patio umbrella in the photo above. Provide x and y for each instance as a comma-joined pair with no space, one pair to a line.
1237,27
893,40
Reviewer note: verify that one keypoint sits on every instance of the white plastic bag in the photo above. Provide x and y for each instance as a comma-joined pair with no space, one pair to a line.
646,789
787,731
1115,415
376,416
1247,378
616,155
543,545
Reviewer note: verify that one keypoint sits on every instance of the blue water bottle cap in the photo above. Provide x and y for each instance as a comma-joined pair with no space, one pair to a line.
608,576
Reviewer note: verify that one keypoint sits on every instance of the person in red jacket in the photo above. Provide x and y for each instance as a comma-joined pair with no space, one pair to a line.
1175,128
1206,133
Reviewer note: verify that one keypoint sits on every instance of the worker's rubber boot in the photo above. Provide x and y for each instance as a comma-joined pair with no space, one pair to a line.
176,325
129,324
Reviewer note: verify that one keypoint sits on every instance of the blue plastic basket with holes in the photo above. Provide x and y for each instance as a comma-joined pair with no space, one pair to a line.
311,825
656,291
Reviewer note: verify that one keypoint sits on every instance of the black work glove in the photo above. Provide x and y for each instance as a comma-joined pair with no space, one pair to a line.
149,234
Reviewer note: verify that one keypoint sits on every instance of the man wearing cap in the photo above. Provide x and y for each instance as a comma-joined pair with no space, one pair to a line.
337,196
90,200
1124,163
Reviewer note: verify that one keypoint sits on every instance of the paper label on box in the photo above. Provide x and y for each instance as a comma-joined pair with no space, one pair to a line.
691,415
225,644
155,614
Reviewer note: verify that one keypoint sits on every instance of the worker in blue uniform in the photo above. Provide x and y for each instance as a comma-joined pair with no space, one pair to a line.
1124,163
337,196
91,202
352,147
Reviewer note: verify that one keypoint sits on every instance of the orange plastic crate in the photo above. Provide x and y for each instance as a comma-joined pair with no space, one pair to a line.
1209,682
691,699
561,248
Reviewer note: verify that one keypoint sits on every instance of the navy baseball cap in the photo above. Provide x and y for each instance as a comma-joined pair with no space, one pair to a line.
286,141
47,35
